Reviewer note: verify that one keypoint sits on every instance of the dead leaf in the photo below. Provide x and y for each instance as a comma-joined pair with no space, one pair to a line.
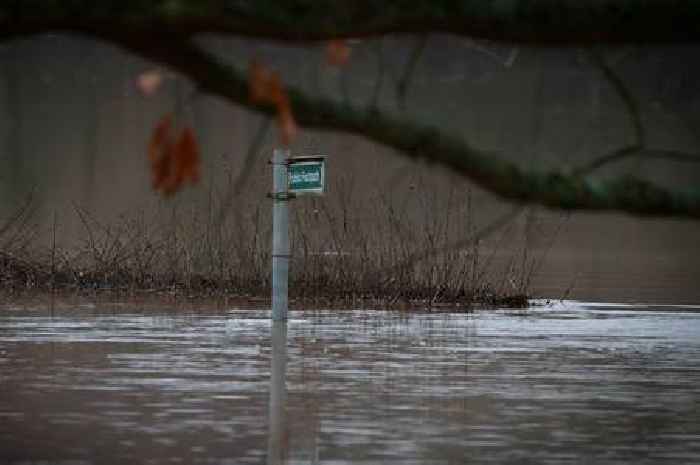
173,161
337,52
265,86
159,150
287,125
149,82
258,81
187,157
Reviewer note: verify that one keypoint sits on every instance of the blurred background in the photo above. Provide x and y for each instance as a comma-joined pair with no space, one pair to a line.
74,132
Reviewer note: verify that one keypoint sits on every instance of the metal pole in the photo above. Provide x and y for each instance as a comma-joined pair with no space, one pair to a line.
280,235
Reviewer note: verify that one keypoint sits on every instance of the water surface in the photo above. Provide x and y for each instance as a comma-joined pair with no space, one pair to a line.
568,383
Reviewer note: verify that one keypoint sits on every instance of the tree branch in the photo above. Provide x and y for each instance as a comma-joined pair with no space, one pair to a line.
488,170
418,256
235,188
638,148
556,22
637,152
404,82
379,50
161,31
625,95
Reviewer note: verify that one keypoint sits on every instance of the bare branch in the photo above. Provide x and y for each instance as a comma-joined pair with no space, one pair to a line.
482,47
380,74
638,148
479,235
674,155
404,82
24,210
625,95
486,169
235,188
637,152
345,85
14,233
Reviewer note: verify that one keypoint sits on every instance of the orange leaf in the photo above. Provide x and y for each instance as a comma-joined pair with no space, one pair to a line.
285,122
149,82
258,81
276,92
265,86
187,157
159,150
172,162
337,52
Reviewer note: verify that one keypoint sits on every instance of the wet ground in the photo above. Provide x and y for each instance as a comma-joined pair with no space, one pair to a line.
566,383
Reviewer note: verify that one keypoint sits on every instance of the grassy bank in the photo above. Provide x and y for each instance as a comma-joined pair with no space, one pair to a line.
417,250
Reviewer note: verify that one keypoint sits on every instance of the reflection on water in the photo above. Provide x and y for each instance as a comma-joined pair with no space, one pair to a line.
277,445
573,383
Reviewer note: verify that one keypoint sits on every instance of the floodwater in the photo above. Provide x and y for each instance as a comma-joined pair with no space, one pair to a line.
565,383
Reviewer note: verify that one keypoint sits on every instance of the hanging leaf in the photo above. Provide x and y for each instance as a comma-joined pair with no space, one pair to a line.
265,86
287,125
159,151
337,52
149,82
187,157
173,161
258,82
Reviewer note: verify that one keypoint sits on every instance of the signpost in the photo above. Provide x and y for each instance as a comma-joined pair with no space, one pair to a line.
290,177
307,175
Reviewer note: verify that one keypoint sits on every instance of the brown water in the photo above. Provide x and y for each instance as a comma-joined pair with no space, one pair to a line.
568,383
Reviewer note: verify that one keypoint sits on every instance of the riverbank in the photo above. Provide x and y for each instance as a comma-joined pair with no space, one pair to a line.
29,281
40,290
430,255
452,279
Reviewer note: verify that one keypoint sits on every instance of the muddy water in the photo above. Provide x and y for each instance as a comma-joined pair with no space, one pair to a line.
569,383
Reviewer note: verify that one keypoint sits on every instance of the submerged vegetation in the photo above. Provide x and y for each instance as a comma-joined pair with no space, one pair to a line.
418,248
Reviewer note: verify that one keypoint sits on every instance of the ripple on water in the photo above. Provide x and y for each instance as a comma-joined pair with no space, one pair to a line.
569,382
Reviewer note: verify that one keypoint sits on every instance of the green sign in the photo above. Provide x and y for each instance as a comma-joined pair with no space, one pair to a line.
306,175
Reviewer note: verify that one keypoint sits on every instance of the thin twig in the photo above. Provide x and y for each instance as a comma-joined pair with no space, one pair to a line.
487,230
637,152
53,253
624,94
21,212
405,81
487,169
344,85
82,216
380,74
637,148
482,47
236,187
399,174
